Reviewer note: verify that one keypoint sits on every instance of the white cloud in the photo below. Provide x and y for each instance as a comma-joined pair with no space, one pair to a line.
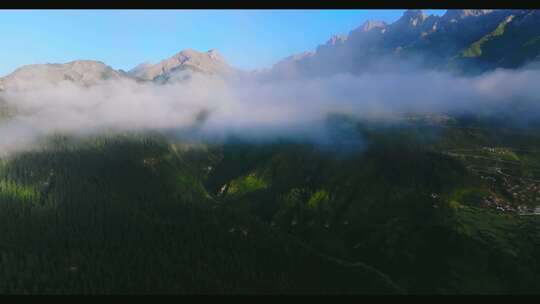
252,107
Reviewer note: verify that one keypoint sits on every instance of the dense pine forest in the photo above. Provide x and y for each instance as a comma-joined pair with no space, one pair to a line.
127,214
401,202
384,209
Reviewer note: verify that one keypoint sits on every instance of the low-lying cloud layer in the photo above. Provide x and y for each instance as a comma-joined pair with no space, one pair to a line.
251,107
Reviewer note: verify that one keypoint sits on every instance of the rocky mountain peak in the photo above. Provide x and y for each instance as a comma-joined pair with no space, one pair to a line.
216,55
191,54
412,18
80,72
436,41
372,24
210,62
455,14
337,39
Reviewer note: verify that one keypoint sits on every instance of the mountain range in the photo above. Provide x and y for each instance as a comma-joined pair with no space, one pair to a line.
466,41
462,41
88,72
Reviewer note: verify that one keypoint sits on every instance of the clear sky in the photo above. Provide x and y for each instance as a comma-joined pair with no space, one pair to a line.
124,38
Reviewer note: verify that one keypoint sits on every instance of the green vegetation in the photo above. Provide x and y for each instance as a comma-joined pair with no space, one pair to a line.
420,206
513,43
407,204
246,184
475,50
532,42
468,194
318,198
128,214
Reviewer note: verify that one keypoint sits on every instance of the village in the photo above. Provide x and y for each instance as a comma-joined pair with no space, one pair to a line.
510,193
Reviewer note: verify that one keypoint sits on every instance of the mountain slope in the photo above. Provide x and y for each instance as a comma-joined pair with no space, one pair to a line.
81,72
515,41
128,214
399,204
430,41
179,67
183,65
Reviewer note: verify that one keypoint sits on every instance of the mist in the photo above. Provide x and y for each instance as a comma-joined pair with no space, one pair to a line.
294,108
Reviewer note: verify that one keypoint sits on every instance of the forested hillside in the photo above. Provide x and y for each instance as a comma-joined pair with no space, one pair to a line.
127,214
433,220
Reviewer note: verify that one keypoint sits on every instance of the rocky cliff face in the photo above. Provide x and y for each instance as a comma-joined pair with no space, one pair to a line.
436,42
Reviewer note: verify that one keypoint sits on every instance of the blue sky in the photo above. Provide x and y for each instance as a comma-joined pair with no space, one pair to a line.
124,38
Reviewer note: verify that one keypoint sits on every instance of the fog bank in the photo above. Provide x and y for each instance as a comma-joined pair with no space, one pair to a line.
250,107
